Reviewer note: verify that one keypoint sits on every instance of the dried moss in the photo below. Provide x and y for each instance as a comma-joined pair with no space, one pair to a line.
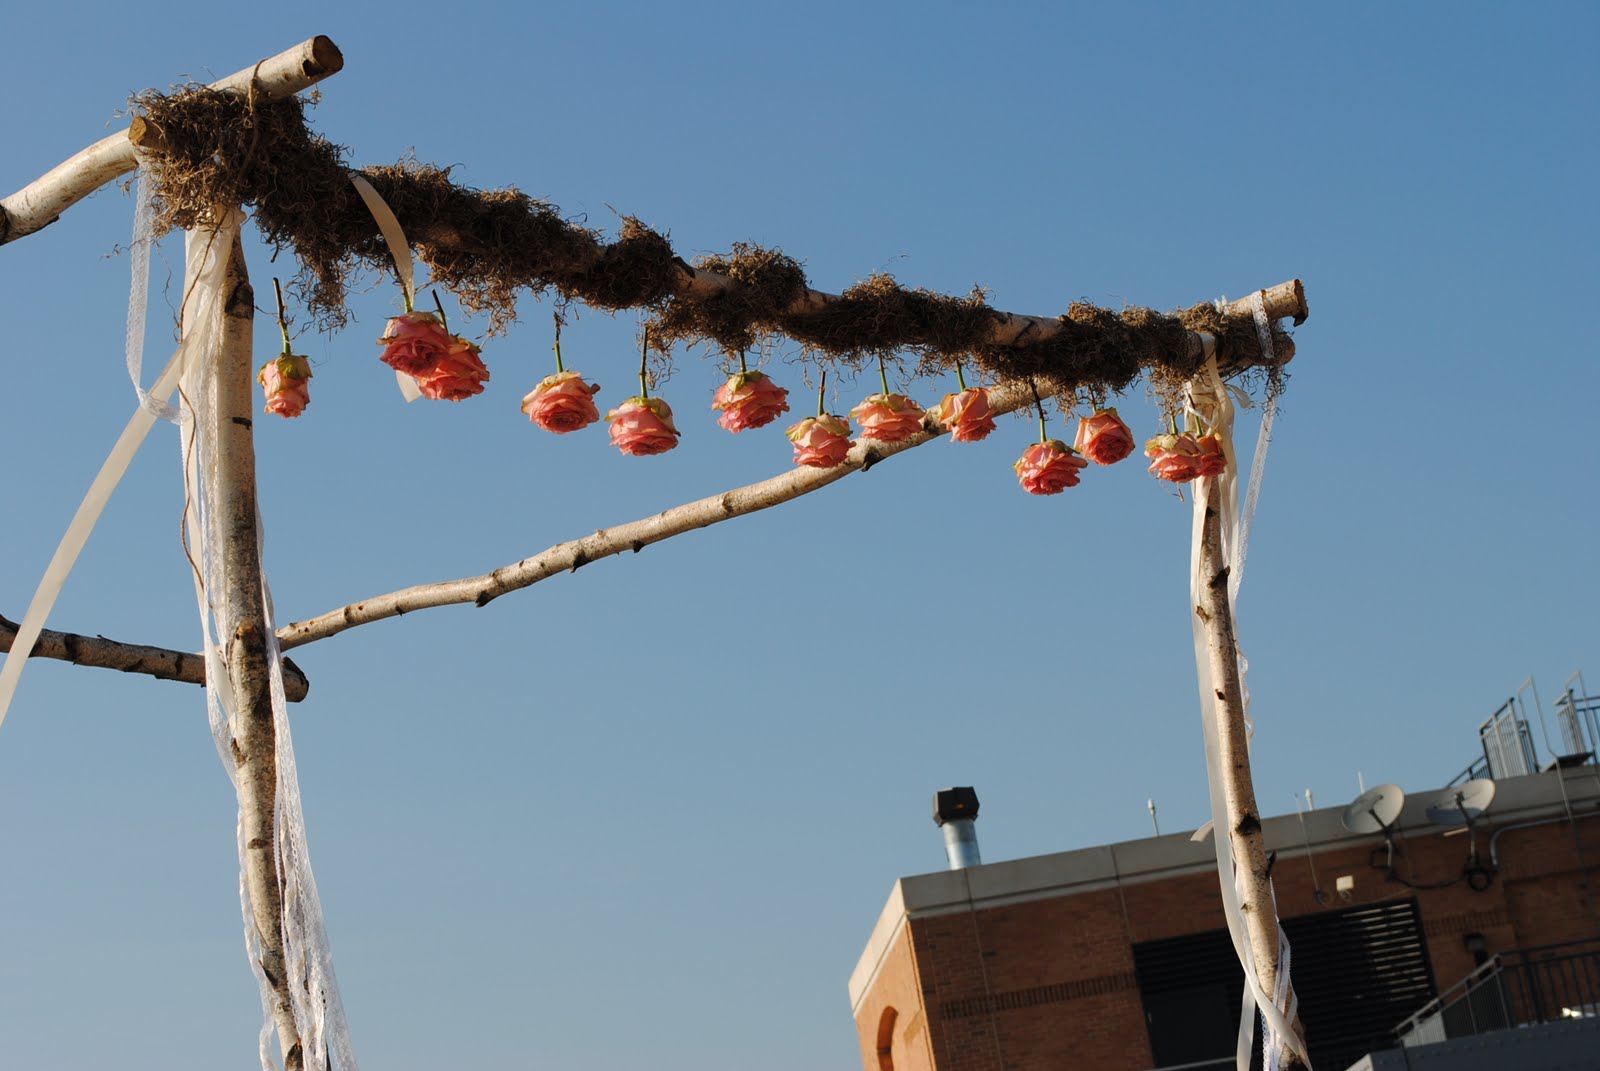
488,246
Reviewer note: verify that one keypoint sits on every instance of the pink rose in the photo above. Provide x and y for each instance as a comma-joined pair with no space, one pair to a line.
457,374
966,415
888,418
1048,468
562,403
1182,458
284,380
414,343
749,400
1103,438
642,426
820,441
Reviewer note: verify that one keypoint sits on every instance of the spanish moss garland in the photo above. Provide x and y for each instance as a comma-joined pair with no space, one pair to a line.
488,245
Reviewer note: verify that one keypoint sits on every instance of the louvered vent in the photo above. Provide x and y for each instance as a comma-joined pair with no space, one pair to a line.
1358,972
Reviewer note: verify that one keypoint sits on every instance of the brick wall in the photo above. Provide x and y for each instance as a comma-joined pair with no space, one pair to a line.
1048,984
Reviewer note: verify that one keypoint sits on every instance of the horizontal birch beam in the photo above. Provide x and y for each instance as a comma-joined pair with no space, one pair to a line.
41,202
160,662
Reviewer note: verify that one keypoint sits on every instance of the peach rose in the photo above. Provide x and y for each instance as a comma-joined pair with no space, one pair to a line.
284,379
965,415
1103,438
414,343
888,418
820,442
562,403
1182,458
642,426
1048,468
458,373
749,400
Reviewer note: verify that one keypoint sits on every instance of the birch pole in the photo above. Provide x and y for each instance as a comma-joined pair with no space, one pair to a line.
249,675
1252,869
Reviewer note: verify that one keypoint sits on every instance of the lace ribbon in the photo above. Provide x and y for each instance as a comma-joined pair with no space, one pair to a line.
1211,401
313,988
206,258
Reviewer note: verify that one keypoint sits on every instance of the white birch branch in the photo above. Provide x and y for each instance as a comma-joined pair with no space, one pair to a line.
1233,750
634,536
163,663
255,750
41,202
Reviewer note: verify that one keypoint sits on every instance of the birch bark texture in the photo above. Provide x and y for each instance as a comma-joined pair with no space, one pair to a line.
254,745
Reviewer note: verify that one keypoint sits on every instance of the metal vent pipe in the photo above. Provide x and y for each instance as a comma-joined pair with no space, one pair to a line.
954,811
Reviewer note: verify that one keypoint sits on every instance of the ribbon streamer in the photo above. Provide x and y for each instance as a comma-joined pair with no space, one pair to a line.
206,259
1211,402
400,250
318,1011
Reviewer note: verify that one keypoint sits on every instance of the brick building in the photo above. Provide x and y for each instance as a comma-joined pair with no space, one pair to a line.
1116,957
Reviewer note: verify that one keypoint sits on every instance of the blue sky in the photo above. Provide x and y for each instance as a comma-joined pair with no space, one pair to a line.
645,815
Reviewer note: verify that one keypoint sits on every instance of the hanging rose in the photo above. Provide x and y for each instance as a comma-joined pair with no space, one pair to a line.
965,415
888,418
415,342
749,400
458,373
820,442
1180,458
285,381
642,426
1103,437
1048,468
562,402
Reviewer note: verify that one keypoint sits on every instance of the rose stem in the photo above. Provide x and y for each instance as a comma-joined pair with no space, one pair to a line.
559,367
961,379
405,291
440,306
644,357
821,391
742,368
283,316
1040,406
883,376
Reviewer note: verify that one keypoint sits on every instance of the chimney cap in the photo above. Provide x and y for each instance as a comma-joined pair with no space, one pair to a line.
954,804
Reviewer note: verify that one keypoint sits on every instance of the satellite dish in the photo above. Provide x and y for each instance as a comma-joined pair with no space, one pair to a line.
1461,805
1375,810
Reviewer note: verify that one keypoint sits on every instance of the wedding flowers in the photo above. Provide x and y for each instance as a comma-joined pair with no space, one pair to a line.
415,342
965,415
749,400
887,417
562,402
284,379
457,374
1103,438
820,442
1180,458
1048,468
643,426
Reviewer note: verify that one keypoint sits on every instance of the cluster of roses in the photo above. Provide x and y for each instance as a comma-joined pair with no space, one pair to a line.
447,366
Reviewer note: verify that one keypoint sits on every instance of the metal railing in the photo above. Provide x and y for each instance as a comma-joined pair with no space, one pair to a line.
1544,984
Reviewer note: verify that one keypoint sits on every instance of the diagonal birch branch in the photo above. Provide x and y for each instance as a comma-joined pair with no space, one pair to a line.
163,663
634,535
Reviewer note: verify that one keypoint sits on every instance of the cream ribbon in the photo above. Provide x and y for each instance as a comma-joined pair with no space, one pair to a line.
206,259
1211,402
400,250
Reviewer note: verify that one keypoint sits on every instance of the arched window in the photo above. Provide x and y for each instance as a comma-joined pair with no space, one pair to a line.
886,1039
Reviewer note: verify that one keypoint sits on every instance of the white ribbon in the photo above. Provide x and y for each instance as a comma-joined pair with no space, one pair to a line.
1210,401
206,259
400,250
313,988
